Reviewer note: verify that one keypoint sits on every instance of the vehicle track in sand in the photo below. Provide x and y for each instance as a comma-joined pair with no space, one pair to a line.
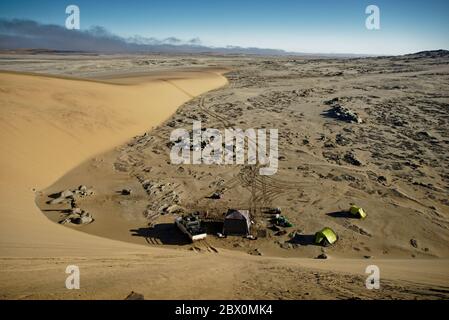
264,189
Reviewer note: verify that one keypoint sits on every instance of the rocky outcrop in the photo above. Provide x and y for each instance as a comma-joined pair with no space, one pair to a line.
342,113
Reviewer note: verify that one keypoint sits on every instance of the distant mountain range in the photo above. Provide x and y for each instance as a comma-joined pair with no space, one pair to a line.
27,34
34,37
429,54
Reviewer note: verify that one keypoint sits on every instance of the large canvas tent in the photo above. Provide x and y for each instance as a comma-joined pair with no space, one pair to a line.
237,223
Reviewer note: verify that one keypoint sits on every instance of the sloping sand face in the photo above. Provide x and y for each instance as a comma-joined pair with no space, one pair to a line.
48,125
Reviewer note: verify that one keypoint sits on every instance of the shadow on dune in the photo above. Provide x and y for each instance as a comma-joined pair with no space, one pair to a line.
164,233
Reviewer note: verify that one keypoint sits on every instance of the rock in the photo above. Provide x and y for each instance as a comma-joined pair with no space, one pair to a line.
342,113
351,158
286,245
66,220
84,191
76,211
332,102
414,243
66,194
329,144
76,220
86,219
126,192
79,217
135,296
174,209
321,256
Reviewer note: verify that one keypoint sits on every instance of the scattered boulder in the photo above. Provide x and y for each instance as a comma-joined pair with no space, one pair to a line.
321,256
70,195
78,216
342,113
352,159
83,218
66,194
126,192
84,191
414,243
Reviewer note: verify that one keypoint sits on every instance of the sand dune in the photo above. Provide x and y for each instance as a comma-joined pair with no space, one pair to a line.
48,125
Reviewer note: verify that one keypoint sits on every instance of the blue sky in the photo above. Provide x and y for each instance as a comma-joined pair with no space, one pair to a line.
324,26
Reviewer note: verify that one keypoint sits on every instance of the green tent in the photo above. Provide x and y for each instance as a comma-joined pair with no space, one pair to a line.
357,211
326,237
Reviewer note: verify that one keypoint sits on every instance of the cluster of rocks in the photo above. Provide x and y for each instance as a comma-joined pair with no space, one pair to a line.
342,113
75,214
351,158
348,157
163,199
68,195
151,211
78,216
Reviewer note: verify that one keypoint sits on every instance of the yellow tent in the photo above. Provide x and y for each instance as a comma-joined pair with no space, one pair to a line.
357,211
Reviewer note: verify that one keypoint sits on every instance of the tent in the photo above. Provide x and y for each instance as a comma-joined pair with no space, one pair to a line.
326,237
237,223
357,211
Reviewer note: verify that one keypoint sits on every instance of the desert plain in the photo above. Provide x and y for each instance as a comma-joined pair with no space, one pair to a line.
104,122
